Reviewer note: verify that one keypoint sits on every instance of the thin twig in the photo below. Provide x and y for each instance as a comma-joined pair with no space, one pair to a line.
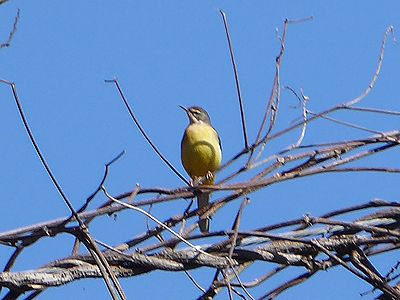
371,85
355,225
37,150
239,94
194,282
7,43
76,246
103,180
297,280
241,285
155,220
276,80
143,132
97,255
236,225
235,228
386,289
374,110
345,105
274,99
260,280
347,124
228,284
303,102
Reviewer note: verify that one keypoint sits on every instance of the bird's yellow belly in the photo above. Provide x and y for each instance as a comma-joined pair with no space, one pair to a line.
201,152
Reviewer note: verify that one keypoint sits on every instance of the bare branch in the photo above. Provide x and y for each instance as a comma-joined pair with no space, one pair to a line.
7,43
339,238
143,132
107,274
228,37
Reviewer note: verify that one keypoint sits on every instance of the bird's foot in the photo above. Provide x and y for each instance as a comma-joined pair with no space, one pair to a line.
209,176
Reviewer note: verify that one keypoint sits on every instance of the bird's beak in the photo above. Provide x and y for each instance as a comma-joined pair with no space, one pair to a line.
192,119
184,108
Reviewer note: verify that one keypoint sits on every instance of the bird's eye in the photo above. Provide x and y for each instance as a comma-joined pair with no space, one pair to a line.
196,112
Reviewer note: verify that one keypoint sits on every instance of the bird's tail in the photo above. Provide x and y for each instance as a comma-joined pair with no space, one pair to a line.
204,222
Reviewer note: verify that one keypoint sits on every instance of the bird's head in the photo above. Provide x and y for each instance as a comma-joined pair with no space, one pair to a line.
196,114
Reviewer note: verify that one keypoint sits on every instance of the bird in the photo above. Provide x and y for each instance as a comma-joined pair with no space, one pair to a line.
201,154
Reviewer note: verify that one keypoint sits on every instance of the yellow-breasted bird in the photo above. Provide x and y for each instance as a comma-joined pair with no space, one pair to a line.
201,154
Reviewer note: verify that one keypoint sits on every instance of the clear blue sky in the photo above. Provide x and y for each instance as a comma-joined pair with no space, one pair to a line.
167,54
